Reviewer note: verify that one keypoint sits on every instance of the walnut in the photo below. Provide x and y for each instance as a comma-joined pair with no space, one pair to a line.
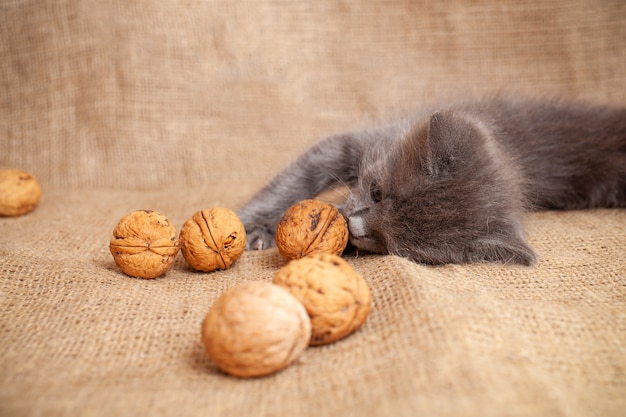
144,244
19,192
311,226
254,329
213,239
335,296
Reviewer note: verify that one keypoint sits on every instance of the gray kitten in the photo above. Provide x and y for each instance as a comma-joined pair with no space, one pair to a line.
451,186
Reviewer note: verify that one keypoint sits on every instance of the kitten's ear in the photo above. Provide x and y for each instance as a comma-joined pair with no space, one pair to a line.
493,248
505,249
451,140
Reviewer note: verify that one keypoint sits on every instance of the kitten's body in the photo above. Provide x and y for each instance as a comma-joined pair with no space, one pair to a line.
451,186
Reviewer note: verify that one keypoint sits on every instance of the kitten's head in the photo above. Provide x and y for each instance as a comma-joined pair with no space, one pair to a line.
445,193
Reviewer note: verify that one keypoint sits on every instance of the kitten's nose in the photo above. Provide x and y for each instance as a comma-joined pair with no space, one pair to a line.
356,225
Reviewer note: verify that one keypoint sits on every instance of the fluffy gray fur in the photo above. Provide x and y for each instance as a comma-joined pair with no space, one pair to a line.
451,185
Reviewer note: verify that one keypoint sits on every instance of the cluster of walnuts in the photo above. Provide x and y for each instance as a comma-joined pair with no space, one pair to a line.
257,328
144,243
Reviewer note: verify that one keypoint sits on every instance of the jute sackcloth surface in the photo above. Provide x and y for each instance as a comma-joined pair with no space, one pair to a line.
79,337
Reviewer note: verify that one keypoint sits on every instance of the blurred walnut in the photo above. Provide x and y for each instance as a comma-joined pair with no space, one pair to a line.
19,192
255,329
311,226
213,239
144,244
335,296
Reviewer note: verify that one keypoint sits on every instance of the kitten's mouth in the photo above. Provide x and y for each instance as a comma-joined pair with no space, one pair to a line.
367,244
360,235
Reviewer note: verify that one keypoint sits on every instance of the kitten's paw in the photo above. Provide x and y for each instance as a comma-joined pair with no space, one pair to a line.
259,238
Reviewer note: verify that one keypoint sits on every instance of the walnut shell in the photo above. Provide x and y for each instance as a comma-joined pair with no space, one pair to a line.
19,192
255,329
213,239
311,226
144,244
335,296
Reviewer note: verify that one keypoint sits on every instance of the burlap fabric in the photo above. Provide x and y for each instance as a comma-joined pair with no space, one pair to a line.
181,105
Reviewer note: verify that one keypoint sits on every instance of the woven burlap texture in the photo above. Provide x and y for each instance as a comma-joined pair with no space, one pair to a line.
80,338
144,94
177,106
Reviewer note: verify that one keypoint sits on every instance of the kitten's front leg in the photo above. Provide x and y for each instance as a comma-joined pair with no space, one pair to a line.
330,163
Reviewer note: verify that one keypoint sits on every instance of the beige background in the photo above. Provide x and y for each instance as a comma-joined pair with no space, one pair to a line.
150,94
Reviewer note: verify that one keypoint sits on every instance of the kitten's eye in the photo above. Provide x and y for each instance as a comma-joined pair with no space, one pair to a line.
375,193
